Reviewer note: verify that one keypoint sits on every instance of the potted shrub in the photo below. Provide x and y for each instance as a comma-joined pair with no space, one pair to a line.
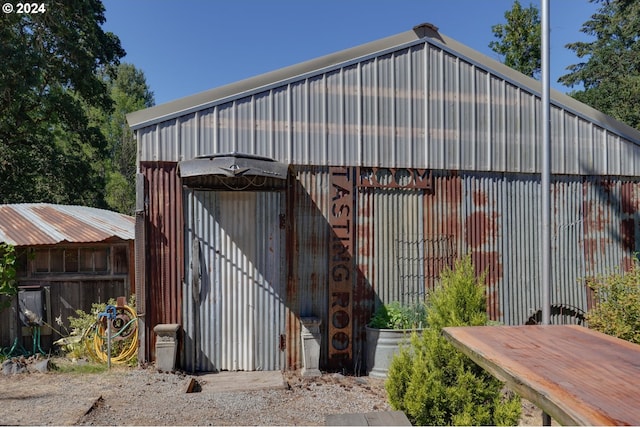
390,325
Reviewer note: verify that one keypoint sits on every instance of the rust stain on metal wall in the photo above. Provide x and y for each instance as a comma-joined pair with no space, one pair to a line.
364,297
165,246
442,226
479,198
627,234
489,263
629,206
603,205
594,214
480,228
628,203
308,293
482,235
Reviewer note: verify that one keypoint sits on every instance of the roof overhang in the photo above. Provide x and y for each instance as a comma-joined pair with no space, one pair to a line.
232,165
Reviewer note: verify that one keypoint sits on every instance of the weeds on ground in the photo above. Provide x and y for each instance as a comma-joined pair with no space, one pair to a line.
69,367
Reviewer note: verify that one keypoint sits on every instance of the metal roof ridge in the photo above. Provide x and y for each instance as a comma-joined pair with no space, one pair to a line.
426,31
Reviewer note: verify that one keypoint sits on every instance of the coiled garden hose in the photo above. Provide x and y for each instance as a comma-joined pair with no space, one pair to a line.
124,337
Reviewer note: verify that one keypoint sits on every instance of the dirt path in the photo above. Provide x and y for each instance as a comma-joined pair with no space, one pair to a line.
147,397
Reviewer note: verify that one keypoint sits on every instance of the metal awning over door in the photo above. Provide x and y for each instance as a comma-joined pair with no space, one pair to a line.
233,171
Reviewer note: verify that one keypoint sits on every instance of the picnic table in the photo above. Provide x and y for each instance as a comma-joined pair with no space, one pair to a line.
576,375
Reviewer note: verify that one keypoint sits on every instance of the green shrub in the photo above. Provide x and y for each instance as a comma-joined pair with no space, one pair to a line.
397,316
617,311
432,382
8,282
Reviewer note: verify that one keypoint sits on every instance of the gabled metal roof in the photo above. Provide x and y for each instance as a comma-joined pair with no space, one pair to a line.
204,99
419,34
30,224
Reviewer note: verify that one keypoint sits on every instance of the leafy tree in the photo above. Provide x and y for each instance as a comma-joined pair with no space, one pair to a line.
129,92
519,39
435,384
610,71
48,149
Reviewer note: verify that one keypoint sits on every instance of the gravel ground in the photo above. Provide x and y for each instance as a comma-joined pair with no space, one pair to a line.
148,397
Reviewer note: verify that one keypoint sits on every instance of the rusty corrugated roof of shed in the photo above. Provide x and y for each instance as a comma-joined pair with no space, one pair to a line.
420,33
31,224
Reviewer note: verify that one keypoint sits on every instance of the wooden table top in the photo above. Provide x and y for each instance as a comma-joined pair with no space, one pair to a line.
576,375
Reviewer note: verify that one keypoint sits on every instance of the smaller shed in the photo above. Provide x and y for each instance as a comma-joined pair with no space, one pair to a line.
68,257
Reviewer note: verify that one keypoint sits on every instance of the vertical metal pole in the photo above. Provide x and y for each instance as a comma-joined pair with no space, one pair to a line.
108,342
545,187
545,249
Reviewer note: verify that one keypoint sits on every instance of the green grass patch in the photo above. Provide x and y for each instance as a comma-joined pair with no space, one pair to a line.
69,367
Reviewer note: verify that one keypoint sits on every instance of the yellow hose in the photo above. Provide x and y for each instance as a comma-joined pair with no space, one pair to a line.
96,345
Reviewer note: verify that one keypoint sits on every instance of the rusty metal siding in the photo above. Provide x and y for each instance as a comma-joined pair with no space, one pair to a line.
396,241
163,213
483,224
567,241
520,294
310,258
495,218
601,209
405,238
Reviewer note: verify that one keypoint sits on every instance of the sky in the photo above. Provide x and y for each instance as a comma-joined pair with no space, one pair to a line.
189,46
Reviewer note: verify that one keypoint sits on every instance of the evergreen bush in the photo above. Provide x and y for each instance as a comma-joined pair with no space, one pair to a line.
435,384
617,311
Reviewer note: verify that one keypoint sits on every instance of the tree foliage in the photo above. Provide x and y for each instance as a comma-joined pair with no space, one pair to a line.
8,283
129,92
48,149
519,39
432,382
610,70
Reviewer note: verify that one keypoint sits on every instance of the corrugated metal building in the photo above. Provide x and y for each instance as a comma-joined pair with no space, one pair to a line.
400,155
68,257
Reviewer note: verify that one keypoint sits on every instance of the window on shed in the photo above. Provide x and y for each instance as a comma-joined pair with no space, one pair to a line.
42,260
86,260
100,260
71,260
57,260
120,260
94,260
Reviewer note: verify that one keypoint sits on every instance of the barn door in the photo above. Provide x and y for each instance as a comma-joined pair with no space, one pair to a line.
235,280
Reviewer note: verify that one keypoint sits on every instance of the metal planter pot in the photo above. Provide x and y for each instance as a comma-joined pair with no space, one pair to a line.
382,345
